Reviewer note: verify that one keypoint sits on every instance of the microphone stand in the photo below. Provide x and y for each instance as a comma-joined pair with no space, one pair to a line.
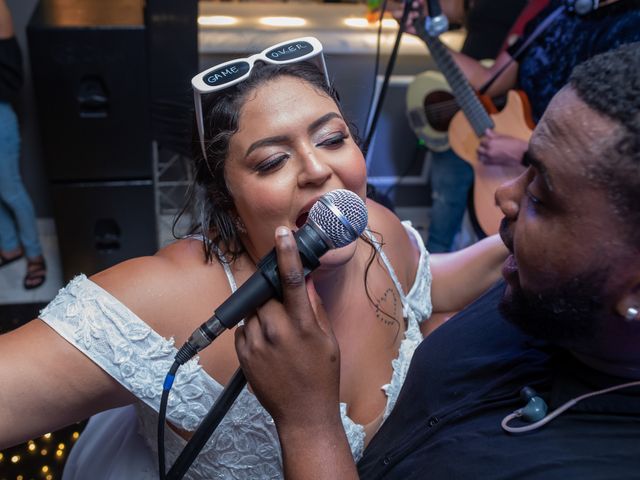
208,426
387,75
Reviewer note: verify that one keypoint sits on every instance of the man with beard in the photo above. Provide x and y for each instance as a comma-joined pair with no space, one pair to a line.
566,322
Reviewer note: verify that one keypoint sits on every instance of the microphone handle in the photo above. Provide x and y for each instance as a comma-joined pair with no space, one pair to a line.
264,284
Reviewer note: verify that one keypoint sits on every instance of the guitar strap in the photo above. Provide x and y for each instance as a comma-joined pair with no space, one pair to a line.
535,34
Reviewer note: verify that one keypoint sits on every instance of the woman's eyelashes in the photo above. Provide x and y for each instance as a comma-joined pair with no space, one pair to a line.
271,163
274,162
336,139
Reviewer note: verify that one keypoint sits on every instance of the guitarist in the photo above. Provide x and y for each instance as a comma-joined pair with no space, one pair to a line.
487,23
543,67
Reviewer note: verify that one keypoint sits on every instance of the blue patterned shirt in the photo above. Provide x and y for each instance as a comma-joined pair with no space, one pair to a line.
546,64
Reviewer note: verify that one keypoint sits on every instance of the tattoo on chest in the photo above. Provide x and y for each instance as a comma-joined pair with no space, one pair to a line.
387,307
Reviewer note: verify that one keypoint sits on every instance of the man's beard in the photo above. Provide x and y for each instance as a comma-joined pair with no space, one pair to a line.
569,315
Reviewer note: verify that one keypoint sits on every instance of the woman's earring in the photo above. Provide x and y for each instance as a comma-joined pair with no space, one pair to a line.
239,224
633,314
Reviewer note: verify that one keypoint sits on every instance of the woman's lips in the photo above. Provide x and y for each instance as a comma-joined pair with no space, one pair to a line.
302,219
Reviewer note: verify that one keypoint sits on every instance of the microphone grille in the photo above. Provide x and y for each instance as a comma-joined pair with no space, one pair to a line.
341,215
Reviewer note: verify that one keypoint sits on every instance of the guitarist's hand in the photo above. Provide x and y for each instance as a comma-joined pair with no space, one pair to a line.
498,149
452,9
418,9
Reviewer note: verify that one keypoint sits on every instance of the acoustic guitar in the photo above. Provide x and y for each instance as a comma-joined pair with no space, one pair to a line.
477,114
431,106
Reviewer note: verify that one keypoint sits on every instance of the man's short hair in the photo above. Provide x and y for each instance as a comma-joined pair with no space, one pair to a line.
609,83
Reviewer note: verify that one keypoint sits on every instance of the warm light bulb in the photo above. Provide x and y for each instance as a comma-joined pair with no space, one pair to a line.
389,23
356,22
43,451
59,453
32,447
75,435
47,435
61,446
283,21
217,20
45,469
15,459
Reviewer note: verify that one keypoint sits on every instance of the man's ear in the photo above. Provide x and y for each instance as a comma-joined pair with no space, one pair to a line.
628,306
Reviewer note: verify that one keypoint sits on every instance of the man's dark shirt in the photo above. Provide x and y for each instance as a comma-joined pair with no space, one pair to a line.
546,64
10,69
466,377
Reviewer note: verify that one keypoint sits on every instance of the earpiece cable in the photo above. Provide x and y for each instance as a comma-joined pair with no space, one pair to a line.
557,411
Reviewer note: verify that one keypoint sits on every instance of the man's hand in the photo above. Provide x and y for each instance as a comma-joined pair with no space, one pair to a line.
498,149
288,351
292,361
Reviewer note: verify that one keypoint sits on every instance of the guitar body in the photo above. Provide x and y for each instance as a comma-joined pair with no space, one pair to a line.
514,120
428,109
431,105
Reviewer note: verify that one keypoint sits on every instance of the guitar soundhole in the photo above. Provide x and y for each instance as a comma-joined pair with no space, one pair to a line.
439,108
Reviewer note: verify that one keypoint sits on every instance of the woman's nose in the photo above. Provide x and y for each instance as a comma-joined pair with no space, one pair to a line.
314,170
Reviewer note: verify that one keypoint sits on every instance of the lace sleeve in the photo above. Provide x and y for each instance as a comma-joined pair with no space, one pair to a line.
124,346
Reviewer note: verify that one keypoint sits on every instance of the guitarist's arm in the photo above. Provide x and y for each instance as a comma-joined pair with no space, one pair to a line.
476,73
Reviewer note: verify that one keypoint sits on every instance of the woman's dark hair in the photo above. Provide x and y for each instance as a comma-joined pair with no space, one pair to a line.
210,201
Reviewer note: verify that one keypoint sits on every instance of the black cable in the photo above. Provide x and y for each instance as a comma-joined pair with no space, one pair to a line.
162,413
372,99
387,75
208,426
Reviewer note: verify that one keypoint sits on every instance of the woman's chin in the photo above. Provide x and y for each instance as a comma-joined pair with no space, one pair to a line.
338,256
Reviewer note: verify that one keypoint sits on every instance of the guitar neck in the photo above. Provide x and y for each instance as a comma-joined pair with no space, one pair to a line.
462,90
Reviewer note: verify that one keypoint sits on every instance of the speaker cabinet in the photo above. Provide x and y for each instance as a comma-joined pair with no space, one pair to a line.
101,224
89,68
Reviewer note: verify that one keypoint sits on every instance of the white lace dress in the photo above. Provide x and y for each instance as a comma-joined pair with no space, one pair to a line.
121,443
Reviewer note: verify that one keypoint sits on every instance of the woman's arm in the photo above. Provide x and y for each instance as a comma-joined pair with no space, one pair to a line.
47,384
462,276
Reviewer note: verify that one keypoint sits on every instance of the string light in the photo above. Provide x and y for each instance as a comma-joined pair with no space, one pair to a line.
41,458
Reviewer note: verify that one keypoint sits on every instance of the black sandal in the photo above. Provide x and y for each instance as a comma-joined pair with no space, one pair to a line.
4,261
36,274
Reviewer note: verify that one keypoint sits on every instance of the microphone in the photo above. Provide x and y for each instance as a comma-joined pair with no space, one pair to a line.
437,22
338,218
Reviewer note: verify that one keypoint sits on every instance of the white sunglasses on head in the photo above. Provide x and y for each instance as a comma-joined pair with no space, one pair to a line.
234,71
